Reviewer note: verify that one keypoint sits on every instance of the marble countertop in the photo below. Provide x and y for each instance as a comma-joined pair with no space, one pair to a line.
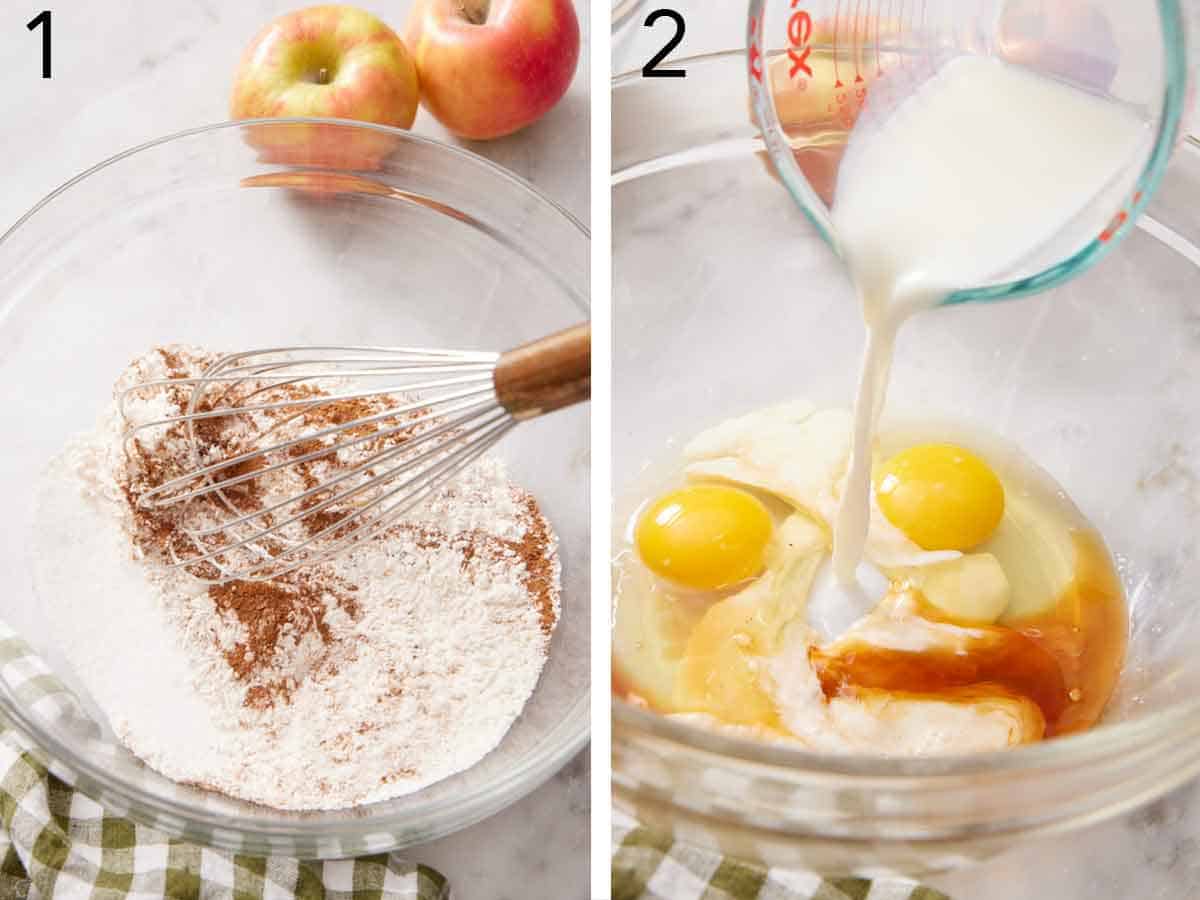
127,71
1150,854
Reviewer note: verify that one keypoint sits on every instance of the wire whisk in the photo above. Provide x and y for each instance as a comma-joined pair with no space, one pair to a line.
292,455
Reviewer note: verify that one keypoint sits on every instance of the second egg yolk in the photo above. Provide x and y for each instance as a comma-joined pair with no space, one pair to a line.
705,536
942,496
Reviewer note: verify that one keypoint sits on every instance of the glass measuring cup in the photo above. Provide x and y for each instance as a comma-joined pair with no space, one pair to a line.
819,69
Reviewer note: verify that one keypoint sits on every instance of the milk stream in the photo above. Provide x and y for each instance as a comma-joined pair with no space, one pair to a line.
977,170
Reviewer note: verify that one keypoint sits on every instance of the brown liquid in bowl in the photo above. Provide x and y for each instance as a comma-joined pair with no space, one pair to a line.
1066,660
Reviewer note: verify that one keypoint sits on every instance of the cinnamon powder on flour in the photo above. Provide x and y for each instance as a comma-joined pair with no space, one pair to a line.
274,617
360,678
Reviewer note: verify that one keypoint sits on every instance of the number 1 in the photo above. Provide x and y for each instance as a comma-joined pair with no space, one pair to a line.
43,19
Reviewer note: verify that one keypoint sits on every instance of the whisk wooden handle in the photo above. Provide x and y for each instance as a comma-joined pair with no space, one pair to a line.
547,374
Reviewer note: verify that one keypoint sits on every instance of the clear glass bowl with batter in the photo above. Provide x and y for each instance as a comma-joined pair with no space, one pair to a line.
726,300
197,238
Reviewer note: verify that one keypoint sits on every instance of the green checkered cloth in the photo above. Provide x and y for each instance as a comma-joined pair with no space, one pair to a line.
56,842
648,865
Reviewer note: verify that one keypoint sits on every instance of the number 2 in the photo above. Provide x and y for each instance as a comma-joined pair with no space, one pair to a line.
651,70
42,20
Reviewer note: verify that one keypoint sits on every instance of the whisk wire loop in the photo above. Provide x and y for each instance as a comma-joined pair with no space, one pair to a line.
292,455
275,565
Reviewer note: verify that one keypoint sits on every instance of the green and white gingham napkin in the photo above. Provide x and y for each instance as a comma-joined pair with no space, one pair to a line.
648,865
57,842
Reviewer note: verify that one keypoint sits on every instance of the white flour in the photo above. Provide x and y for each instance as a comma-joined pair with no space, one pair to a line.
430,642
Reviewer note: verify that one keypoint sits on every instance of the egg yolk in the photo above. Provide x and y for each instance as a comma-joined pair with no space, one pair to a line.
943,497
704,536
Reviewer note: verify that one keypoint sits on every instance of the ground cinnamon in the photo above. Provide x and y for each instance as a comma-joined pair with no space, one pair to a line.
534,549
296,605
269,611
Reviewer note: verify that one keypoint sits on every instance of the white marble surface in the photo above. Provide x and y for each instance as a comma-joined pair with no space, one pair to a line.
1150,854
127,71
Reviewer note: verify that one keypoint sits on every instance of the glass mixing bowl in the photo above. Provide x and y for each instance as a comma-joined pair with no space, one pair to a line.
726,299
627,18
195,238
623,12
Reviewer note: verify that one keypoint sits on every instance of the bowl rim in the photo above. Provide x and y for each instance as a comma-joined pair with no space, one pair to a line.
1097,743
447,814
623,12
235,124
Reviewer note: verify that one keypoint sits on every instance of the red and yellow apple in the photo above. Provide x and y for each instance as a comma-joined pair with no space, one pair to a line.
326,62
491,67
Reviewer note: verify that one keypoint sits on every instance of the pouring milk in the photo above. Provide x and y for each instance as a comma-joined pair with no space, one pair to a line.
972,173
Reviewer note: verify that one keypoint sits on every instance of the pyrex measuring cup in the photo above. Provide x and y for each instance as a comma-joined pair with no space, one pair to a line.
819,69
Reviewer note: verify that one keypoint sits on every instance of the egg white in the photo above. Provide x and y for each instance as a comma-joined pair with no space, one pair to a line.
800,455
